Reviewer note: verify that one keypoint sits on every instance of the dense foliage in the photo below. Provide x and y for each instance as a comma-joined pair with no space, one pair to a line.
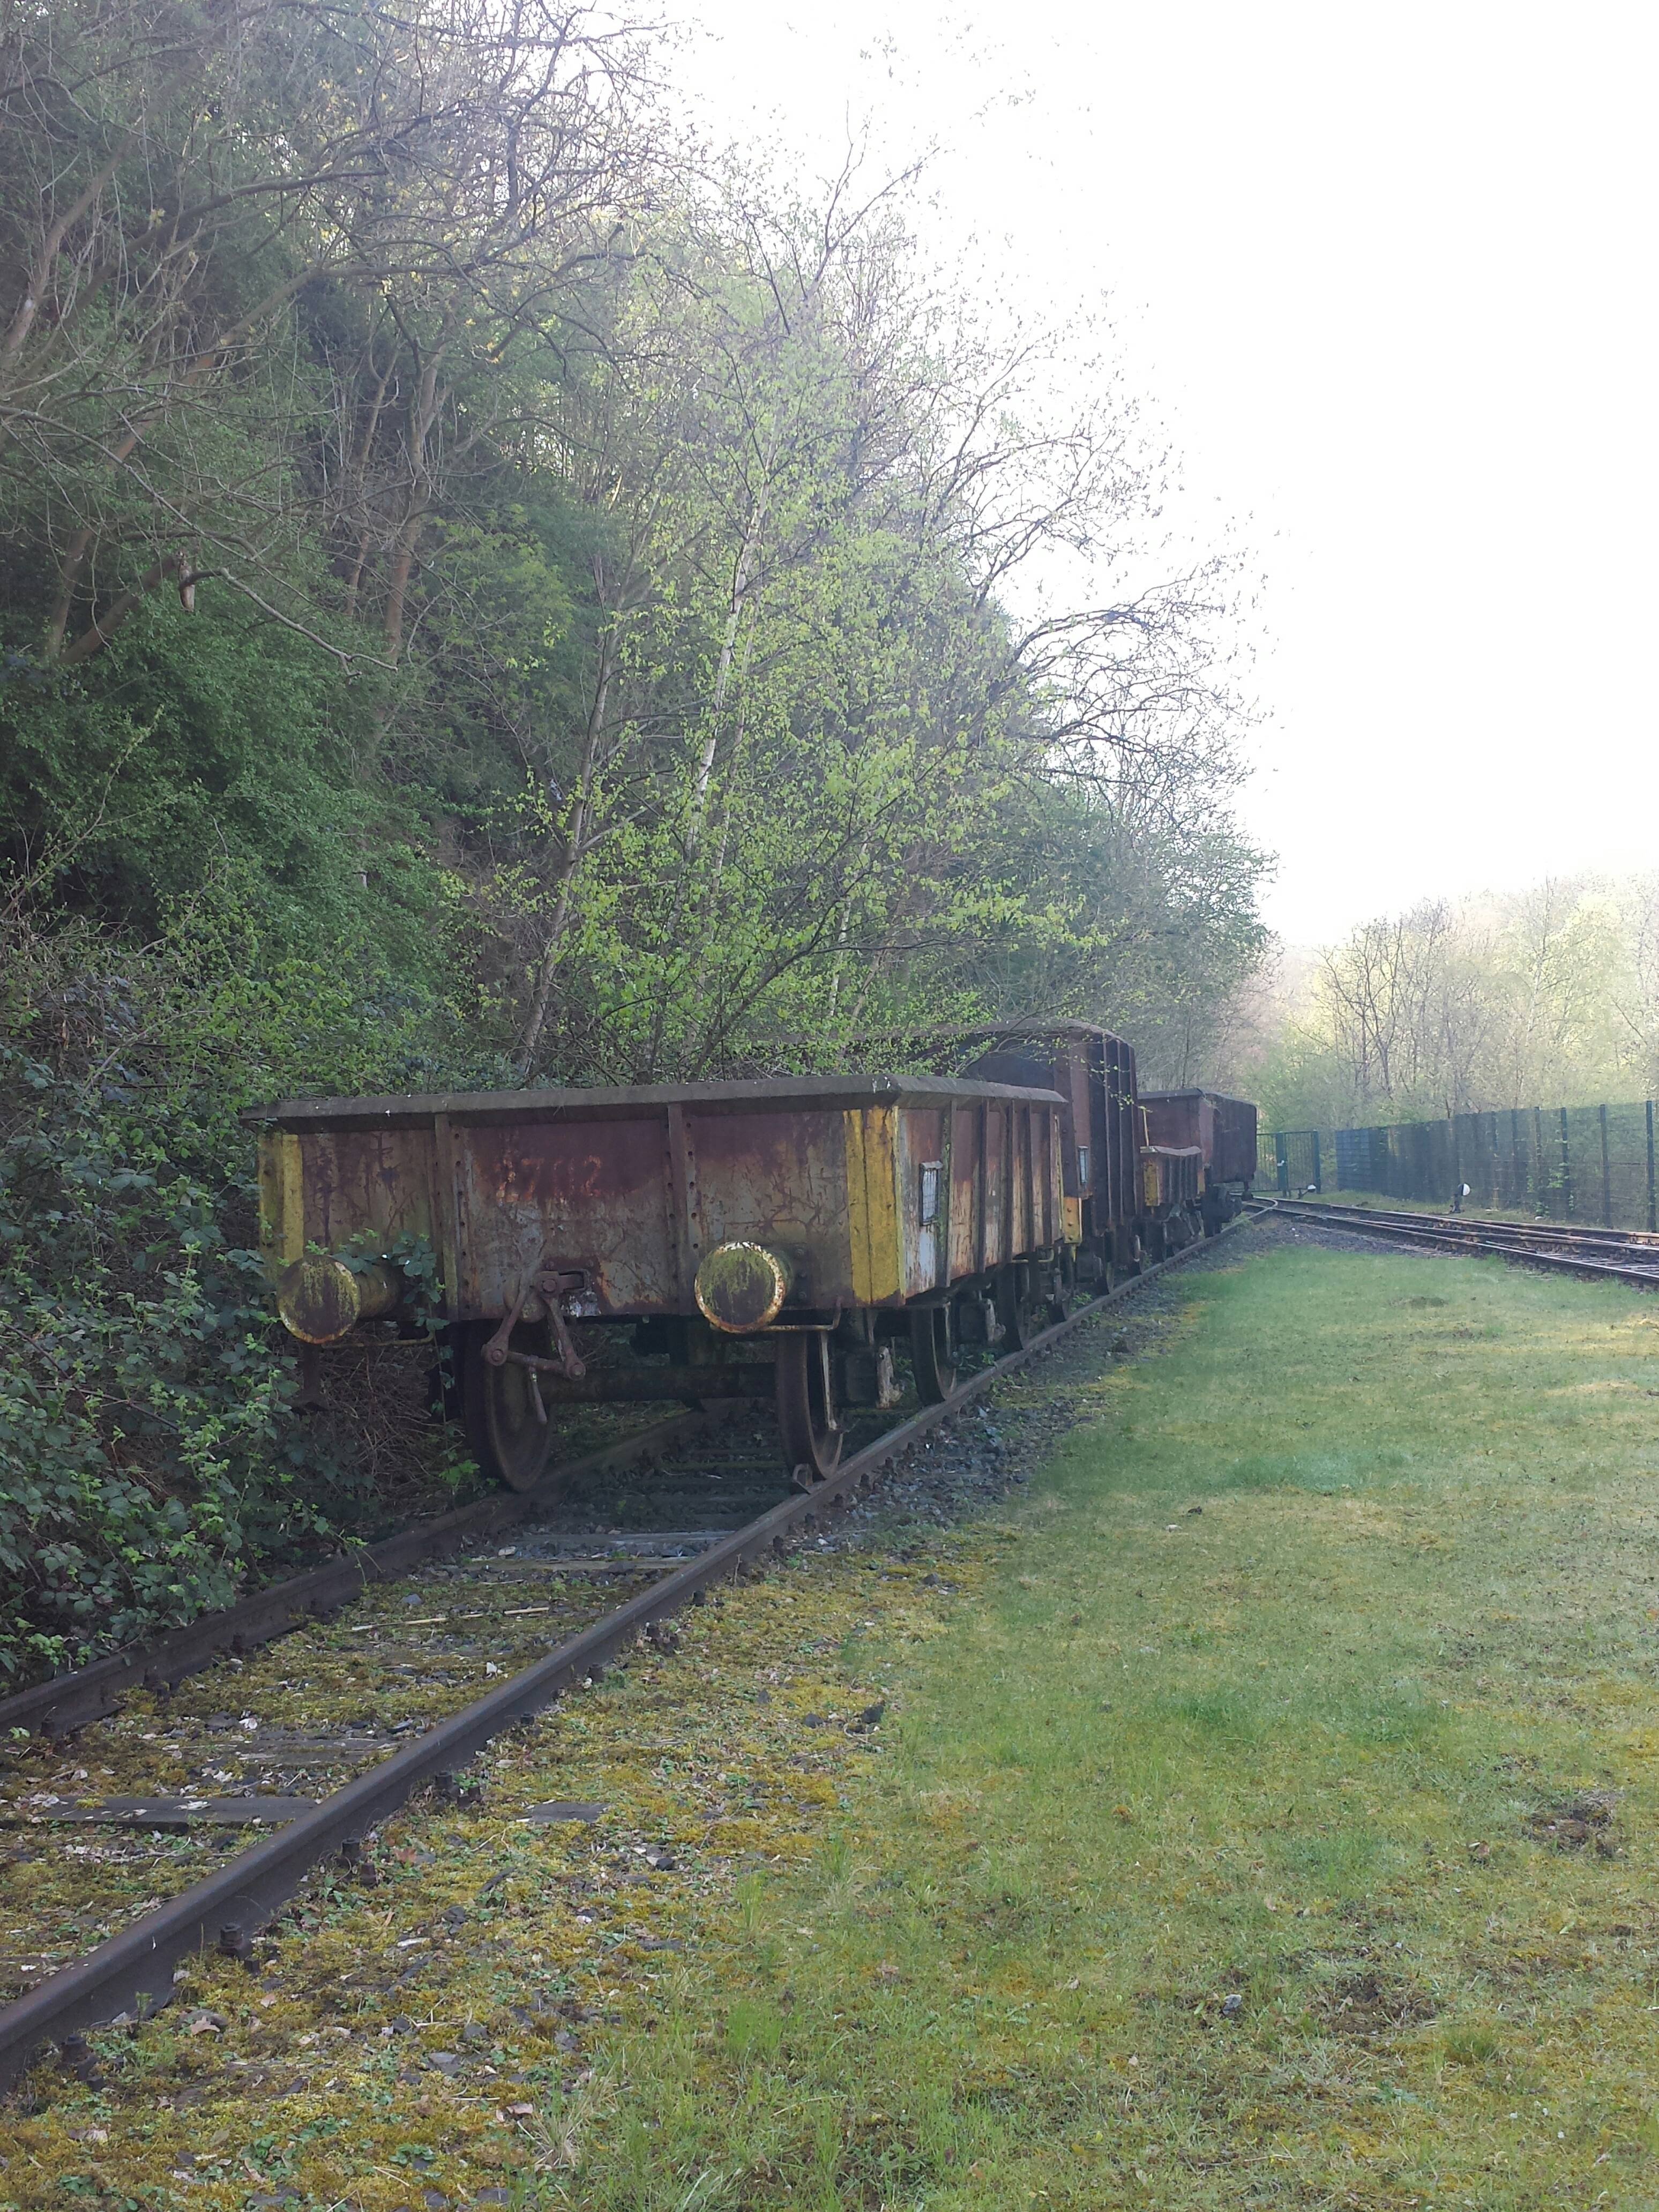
1546,998
492,594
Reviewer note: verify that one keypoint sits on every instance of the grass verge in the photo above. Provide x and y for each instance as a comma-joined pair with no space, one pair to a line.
1262,1816
1276,1829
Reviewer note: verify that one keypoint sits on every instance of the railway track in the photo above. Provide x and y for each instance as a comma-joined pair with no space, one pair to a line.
284,1724
1622,1256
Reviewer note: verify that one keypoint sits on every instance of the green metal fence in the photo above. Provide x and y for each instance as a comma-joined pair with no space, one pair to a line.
1560,1162
1298,1161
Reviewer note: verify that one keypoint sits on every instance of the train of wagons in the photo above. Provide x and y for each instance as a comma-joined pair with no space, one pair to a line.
780,1240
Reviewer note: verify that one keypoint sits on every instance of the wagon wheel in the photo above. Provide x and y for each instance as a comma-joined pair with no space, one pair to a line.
806,1406
1022,1311
932,1353
508,1440
1063,1286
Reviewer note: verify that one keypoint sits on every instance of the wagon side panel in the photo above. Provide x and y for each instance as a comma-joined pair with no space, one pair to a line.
966,1185
1235,1141
1112,1076
875,1227
587,1197
780,1179
1078,1154
340,1189
1053,1178
1174,1118
1125,1118
996,1186
281,1198
1024,1166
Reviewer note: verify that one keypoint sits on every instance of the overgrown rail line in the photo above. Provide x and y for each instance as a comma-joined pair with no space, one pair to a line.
1621,1255
71,1701
129,1974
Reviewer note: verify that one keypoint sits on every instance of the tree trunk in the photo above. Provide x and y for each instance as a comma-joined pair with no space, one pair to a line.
359,470
742,578
575,848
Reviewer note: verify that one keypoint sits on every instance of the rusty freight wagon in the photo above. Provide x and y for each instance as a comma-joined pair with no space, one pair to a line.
761,1239
1223,1132
1131,1196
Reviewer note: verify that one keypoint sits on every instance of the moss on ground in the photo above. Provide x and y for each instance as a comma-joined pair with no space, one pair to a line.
252,1723
1297,1850
439,2031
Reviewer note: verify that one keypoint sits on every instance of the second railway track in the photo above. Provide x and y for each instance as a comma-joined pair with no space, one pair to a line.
316,1740
1561,1248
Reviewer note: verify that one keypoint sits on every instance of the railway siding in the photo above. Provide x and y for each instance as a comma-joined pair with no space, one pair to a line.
496,1946
1573,1249
118,1975
449,2014
300,1718
825,1720
1261,1803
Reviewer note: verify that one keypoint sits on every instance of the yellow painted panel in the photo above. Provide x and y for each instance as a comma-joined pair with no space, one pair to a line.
281,1198
1072,1230
873,1205
858,1212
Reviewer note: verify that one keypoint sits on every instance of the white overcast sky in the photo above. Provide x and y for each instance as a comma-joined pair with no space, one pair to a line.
1387,274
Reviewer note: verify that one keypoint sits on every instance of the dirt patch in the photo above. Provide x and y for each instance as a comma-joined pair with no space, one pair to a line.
1585,1820
1368,2001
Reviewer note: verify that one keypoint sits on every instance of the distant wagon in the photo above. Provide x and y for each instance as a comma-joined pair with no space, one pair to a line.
759,1239
1133,1193
1223,1132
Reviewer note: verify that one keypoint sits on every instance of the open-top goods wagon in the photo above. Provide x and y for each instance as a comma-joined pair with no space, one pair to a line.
771,1239
1224,1131
1131,1193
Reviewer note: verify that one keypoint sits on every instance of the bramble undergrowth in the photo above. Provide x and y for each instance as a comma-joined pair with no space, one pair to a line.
149,1456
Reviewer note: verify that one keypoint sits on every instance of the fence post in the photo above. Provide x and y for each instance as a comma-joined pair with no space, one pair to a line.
1281,1164
1566,1171
1541,1182
1517,1188
1457,1167
1653,1216
1319,1182
1607,1174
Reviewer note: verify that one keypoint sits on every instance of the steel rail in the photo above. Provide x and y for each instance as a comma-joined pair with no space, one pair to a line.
1536,1230
130,1973
1464,1236
66,1702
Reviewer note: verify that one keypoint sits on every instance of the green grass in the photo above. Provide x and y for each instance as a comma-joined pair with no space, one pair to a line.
1210,1860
